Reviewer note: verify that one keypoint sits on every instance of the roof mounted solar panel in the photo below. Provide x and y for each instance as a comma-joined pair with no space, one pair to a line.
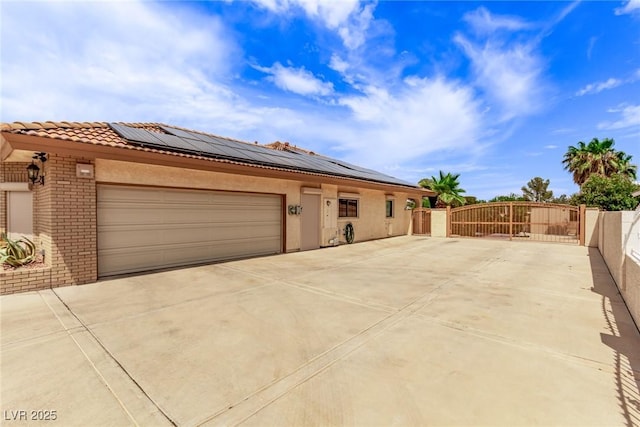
216,147
180,144
180,133
136,134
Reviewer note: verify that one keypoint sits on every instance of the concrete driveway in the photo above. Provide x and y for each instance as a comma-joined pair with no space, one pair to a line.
402,331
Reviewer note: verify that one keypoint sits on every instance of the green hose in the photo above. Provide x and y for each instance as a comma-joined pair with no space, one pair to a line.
349,234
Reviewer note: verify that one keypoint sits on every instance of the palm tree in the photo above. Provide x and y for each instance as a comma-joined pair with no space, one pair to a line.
625,167
597,157
447,187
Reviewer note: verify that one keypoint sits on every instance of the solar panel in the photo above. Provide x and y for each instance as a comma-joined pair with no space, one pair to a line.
136,134
217,147
180,144
179,132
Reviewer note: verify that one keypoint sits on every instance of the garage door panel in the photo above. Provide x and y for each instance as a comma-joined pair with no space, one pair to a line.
123,215
166,256
145,228
150,234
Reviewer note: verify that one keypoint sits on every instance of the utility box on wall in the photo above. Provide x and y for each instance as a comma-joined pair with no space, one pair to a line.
330,222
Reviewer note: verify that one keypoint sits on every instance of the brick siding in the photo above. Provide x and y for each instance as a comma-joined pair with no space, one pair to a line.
64,226
14,281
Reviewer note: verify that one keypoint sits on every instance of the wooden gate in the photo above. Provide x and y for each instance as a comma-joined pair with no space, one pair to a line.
545,222
422,221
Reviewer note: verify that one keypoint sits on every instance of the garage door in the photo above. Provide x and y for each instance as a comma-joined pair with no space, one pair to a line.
143,228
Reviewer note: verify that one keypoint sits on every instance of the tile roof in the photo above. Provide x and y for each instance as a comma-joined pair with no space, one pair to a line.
100,133
285,146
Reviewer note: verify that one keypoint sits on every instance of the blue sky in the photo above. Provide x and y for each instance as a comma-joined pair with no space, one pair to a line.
495,91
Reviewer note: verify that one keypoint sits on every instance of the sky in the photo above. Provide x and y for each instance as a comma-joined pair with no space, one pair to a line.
494,91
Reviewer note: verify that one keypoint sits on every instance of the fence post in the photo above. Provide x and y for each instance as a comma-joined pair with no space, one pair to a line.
510,220
410,229
448,220
581,221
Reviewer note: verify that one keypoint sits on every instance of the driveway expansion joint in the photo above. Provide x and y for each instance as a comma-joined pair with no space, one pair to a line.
98,372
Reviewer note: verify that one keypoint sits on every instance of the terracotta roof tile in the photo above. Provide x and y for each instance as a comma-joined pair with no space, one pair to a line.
99,133
285,146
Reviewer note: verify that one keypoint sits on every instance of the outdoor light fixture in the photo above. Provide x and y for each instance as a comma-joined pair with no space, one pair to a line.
33,171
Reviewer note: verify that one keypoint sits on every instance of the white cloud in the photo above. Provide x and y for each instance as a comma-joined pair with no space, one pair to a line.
74,63
550,147
421,117
630,117
348,18
338,64
297,80
333,13
562,131
592,43
593,88
354,33
483,22
563,14
630,7
510,75
505,64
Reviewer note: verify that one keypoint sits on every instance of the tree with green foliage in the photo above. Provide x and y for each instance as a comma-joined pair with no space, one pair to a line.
471,200
513,197
612,193
447,187
536,190
563,199
597,157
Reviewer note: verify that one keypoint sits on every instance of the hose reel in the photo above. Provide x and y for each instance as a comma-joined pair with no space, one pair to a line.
349,233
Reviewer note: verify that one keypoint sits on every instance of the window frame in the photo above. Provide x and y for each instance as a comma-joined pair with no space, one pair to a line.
349,202
389,208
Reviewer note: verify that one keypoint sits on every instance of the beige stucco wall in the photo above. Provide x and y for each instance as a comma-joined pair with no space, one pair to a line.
610,243
618,239
591,228
438,223
631,293
370,224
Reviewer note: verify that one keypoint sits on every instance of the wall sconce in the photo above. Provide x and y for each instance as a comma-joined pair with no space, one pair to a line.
33,171
295,209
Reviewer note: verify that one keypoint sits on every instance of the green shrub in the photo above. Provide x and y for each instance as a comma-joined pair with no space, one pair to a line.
612,193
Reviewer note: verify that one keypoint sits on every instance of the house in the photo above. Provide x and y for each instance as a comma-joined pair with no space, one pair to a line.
117,198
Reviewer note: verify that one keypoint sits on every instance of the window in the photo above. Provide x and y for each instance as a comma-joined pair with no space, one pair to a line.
348,208
389,208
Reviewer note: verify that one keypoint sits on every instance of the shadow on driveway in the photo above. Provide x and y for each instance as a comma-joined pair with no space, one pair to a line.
623,339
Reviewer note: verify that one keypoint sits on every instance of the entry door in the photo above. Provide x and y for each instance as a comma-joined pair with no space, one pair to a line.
310,222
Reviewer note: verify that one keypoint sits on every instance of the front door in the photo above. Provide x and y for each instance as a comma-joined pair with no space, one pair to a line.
310,222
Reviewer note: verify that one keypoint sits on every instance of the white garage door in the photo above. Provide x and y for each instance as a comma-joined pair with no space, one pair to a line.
143,228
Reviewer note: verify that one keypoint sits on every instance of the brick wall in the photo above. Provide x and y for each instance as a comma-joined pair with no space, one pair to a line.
64,226
14,281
